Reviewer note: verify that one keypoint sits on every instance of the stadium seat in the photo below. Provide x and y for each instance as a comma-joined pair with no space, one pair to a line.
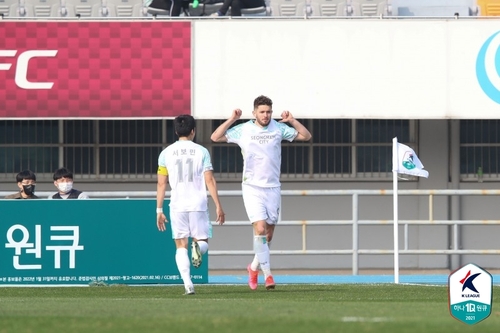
331,8
157,8
434,8
86,8
489,7
288,7
198,11
9,8
209,9
257,11
370,7
45,8
125,8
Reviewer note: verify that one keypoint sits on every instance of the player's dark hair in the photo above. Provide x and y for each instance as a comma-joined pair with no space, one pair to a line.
62,173
184,124
262,100
25,174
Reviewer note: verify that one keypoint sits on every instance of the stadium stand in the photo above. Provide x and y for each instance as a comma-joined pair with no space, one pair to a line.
125,8
210,8
489,7
257,11
440,8
370,7
86,8
287,7
9,8
45,8
332,8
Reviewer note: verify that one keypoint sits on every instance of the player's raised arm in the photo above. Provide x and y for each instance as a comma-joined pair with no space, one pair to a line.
219,135
303,133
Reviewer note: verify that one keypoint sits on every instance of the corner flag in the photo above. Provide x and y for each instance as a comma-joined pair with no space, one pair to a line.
404,160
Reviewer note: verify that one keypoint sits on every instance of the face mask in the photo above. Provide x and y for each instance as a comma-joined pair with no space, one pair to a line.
29,189
65,187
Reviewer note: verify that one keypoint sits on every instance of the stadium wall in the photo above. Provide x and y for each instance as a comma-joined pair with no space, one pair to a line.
432,70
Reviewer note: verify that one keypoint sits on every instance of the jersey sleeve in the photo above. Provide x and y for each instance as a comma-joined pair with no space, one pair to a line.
287,132
162,167
207,163
233,134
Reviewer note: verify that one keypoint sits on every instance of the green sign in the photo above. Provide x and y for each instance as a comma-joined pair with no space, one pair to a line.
470,292
75,242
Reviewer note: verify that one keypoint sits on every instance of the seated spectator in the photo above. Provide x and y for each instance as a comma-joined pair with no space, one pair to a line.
26,181
237,5
170,7
63,180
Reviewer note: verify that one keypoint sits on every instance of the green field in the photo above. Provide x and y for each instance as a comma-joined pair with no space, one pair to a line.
217,308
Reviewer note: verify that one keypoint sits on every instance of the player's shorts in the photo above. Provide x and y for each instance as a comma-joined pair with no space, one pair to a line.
262,203
190,224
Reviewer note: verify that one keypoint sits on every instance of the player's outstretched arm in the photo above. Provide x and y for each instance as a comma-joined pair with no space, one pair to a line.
304,134
219,135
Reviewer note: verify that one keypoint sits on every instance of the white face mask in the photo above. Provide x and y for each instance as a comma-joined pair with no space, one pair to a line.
65,187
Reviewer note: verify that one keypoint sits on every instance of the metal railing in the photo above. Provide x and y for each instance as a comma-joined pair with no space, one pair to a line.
355,251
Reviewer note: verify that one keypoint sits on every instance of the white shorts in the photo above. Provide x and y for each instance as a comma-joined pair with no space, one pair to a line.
262,203
190,224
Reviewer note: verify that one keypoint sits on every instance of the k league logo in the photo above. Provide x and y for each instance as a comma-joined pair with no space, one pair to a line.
488,67
470,291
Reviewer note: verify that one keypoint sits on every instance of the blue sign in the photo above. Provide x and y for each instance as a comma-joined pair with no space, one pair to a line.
488,67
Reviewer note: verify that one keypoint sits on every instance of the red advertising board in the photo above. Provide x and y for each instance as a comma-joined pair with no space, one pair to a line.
138,69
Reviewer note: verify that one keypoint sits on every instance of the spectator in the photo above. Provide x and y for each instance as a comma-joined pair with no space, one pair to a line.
237,5
26,181
170,7
63,180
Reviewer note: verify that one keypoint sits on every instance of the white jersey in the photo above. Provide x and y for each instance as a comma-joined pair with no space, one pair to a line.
185,163
261,149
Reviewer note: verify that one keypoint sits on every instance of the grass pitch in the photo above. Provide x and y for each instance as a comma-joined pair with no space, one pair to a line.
217,308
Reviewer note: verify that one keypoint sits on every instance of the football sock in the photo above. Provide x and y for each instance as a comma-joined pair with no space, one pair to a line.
255,262
183,264
261,250
203,246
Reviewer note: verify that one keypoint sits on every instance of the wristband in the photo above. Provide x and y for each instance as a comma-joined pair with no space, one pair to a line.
159,210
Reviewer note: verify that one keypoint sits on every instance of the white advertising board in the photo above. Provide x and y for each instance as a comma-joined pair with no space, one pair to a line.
369,68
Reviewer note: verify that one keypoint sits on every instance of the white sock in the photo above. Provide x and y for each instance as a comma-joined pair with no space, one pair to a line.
255,266
183,264
261,250
203,246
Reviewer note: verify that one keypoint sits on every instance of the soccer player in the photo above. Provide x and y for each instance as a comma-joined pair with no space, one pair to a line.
187,167
260,143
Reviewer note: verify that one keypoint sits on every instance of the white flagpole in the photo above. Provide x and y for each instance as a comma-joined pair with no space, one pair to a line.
395,161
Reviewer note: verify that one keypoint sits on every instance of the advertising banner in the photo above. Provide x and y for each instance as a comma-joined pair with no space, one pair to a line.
95,69
352,69
80,242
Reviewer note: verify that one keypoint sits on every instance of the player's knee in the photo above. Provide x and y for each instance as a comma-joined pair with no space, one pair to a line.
260,230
